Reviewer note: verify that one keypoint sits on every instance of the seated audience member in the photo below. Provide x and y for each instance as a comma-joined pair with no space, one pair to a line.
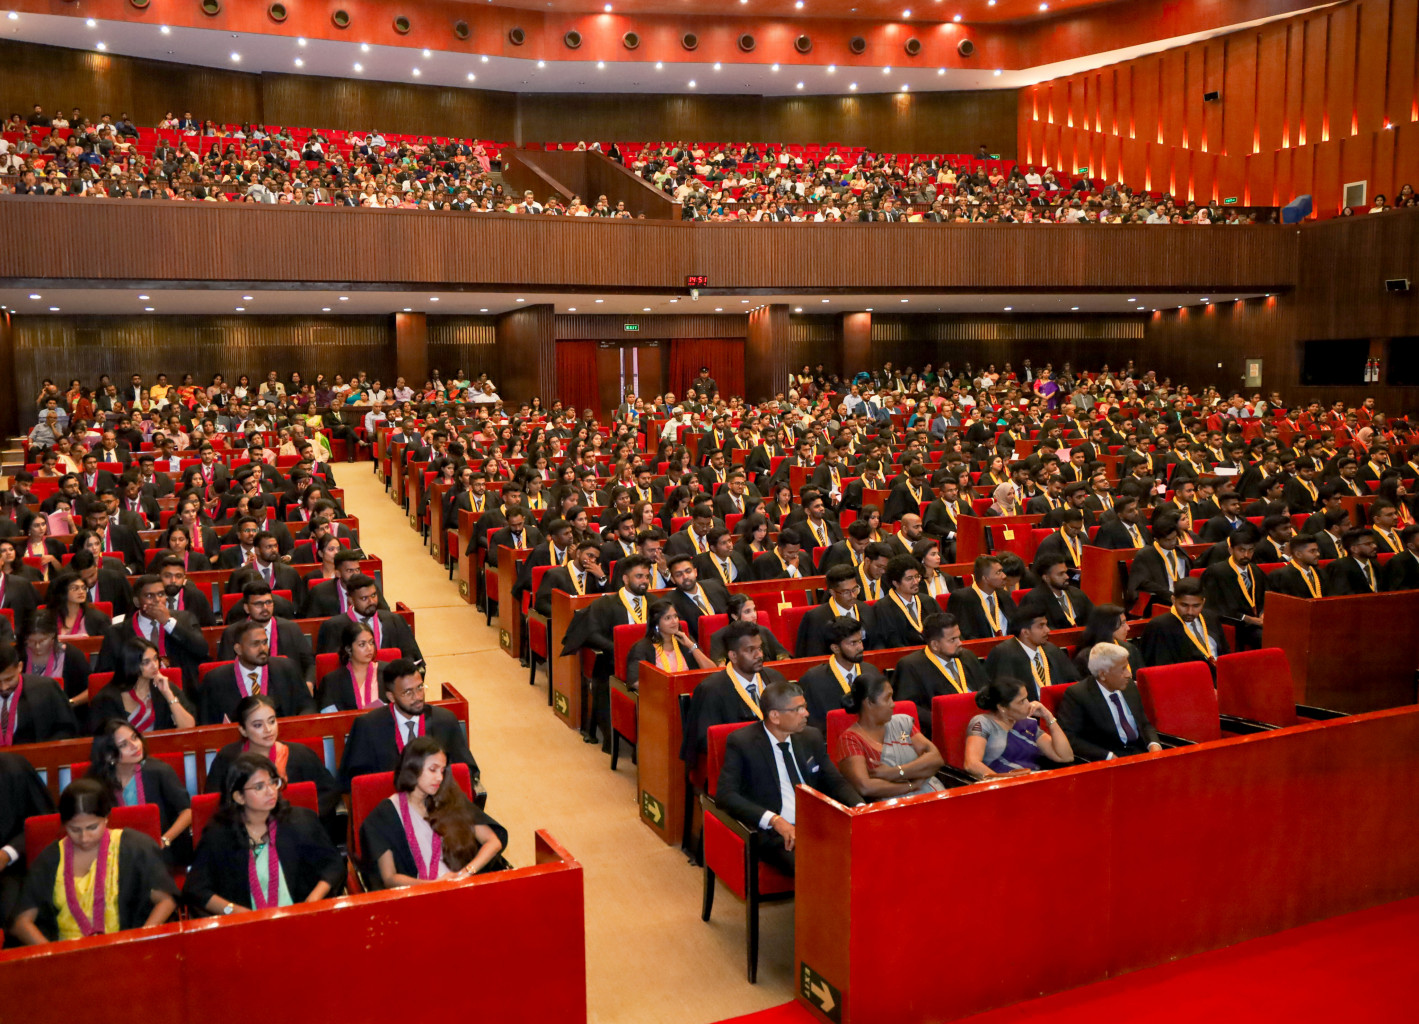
1402,571
75,615
941,667
843,592
984,609
428,829
741,608
1103,715
354,685
786,559
256,719
1357,570
284,636
23,794
595,626
899,613
1185,632
580,577
258,851
390,630
764,799
883,754
141,695
1007,738
1027,653
732,695
33,709
379,735
1123,531
253,670
119,759
1106,624
1301,578
1235,590
46,655
180,593
666,645
95,880
1065,606
827,684
1158,566
176,635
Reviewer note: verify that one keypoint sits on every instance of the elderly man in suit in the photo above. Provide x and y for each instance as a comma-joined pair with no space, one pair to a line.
1103,715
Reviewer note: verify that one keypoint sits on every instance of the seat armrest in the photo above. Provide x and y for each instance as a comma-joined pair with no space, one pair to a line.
1311,711
743,831
954,778
1169,740
616,683
1234,723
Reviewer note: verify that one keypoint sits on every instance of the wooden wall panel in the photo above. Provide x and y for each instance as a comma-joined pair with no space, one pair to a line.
467,343
1340,72
767,351
1400,91
1273,69
527,354
1314,75
603,327
1239,95
914,341
388,106
11,404
815,339
65,347
1372,39
1295,134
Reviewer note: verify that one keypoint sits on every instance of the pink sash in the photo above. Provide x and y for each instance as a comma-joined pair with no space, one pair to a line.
430,870
399,736
12,716
92,923
272,896
144,717
161,641
366,693
243,686
374,627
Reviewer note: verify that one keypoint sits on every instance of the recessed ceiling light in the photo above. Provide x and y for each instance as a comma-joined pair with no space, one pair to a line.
645,309
674,301
905,87
869,309
852,86
541,63
692,83
906,300
798,309
798,5
408,309
241,309
428,53
1009,308
832,68
300,40
660,65
471,76
1074,308
1132,300
607,8
54,309
14,16
35,296
719,309
1205,299
91,23
300,63
940,71
825,300
435,298
246,298
800,85
600,300
773,67
887,70
907,13
325,309
364,47
997,72
236,58
600,65
956,18
571,309
415,72
100,46
344,298
519,300
485,58
1044,7
143,297
359,67
147,309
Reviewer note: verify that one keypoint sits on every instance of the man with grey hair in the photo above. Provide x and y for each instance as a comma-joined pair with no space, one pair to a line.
1103,715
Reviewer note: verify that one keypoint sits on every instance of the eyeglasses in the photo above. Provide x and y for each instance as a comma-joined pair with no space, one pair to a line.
274,785
409,692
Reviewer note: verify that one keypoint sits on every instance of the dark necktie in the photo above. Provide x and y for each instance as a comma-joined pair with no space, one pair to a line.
790,763
1130,734
412,726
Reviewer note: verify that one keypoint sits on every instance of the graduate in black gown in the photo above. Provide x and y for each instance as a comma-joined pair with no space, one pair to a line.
119,759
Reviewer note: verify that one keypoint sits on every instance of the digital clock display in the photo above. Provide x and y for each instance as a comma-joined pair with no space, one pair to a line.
697,281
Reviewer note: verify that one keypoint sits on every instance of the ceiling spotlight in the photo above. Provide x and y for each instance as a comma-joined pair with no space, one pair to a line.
1009,308
1205,299
54,309
832,68
720,309
344,298
1132,300
359,66
692,83
300,40
364,47
91,23
607,8
100,46
408,309
241,309
907,13
14,16
428,53
571,309
997,72
773,67
717,65
147,309
471,76
236,58
1044,7
483,310
852,86
246,298
906,300
485,58
435,298
300,63
325,309
798,309
415,72
142,297
825,300
519,300
887,70
600,65
940,71
956,18
36,295
905,87
800,85
541,63
645,309
1074,308
599,301
869,309
798,5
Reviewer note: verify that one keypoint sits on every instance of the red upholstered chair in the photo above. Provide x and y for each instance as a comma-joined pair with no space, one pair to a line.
366,791
950,714
839,722
98,680
491,587
538,629
1050,695
230,601
623,701
204,805
1256,686
709,626
785,624
327,663
207,667
732,854
44,829
1181,701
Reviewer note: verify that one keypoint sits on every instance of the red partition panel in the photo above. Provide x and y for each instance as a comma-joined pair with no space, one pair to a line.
1372,50
1382,168
1340,69
1404,28
1260,180
1173,103
1313,78
1325,185
1270,95
1237,111
1146,75
1167,855
1295,99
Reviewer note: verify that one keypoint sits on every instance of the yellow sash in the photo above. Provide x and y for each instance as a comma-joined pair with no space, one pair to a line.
700,548
1390,539
1310,488
1038,669
915,493
477,501
1201,645
821,538
993,619
1075,548
723,573
790,570
871,589
749,702
957,678
631,606
1167,564
538,502
1134,534
840,674
914,619
1311,579
935,585
1068,607
1248,590
578,581
669,664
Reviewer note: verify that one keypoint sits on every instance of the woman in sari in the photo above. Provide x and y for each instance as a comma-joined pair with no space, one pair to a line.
1007,739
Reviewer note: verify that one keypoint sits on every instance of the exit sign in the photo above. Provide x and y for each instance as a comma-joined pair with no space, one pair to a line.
697,281
1229,201
631,327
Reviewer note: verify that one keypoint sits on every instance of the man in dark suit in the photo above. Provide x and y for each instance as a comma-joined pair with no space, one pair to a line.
1103,715
1402,571
825,685
622,543
1300,578
1235,590
940,668
694,538
378,736
284,639
555,550
177,635
692,596
516,532
1156,567
1064,605
181,594
1027,655
1356,572
253,670
1217,528
33,709
817,528
584,576
732,695
1067,541
721,562
239,545
390,629
908,495
118,540
1185,632
1329,528
22,795
983,609
332,596
595,627
900,612
843,593
851,549
93,479
787,558
764,763
268,568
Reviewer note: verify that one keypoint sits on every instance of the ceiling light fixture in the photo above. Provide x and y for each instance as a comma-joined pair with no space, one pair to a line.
798,5
905,87
471,76
36,296
485,58
600,301
825,300
852,86
773,67
832,68
607,8
300,40
300,63
800,85
997,72
241,309
415,72
147,309
100,46
717,65
236,58
719,309
1074,308
519,300
660,65
887,70
692,83
645,309
435,298
600,65
408,309
246,298
428,53
325,309
541,63
483,310
1009,308
91,23
54,309
956,18
571,309
940,71
344,298
364,47
143,297
359,66
798,309
14,16
907,13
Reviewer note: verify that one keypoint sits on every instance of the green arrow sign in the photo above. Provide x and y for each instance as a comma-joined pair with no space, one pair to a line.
819,994
652,809
560,704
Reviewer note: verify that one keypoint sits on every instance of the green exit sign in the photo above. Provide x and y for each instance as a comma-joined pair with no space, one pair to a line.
1081,170
1231,201
632,327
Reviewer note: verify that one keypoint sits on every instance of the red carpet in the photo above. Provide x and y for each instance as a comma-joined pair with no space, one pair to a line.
1349,967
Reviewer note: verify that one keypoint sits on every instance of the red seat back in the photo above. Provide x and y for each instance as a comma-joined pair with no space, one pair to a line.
44,829
839,722
716,739
1050,695
709,626
950,714
1257,685
204,805
327,663
1181,700
230,601
625,638
366,791
537,575
98,680
79,769
785,624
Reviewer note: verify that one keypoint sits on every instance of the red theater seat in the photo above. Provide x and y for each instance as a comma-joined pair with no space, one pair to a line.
1180,700
1256,686
731,854
623,700
204,805
839,721
44,829
538,629
327,663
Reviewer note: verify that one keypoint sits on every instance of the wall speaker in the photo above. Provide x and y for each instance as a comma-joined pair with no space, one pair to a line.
402,25
689,40
461,29
277,12
746,42
966,48
803,44
630,40
857,44
516,36
340,18
572,39
1397,284
1211,97
913,46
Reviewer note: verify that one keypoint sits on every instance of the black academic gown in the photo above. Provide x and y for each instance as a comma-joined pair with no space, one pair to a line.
43,711
22,795
371,746
393,632
291,642
716,701
812,639
140,871
918,680
1009,660
220,865
966,605
1227,601
1165,641
302,765
824,693
186,647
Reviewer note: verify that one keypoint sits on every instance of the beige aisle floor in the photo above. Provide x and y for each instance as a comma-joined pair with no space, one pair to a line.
649,958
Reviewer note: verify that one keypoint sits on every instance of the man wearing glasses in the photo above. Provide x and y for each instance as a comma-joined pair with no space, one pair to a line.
378,736
843,593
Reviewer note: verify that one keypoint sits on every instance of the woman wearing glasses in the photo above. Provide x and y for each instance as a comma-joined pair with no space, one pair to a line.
259,851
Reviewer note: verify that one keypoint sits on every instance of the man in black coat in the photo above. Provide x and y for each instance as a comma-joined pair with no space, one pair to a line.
1103,715
582,577
332,596
851,549
943,666
721,562
555,550
1235,590
843,593
119,540
827,684
731,695
1157,567
692,596
253,670
1402,571
269,569
898,615
284,639
390,629
1185,632
1300,578
22,795
787,558
378,736
179,638
1355,572
516,532
33,709
763,762
595,627
1028,656
983,609
181,594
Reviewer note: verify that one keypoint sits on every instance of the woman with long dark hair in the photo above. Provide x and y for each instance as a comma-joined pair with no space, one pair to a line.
260,729
46,655
1106,624
68,599
354,686
428,829
259,851
141,695
666,644
119,759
